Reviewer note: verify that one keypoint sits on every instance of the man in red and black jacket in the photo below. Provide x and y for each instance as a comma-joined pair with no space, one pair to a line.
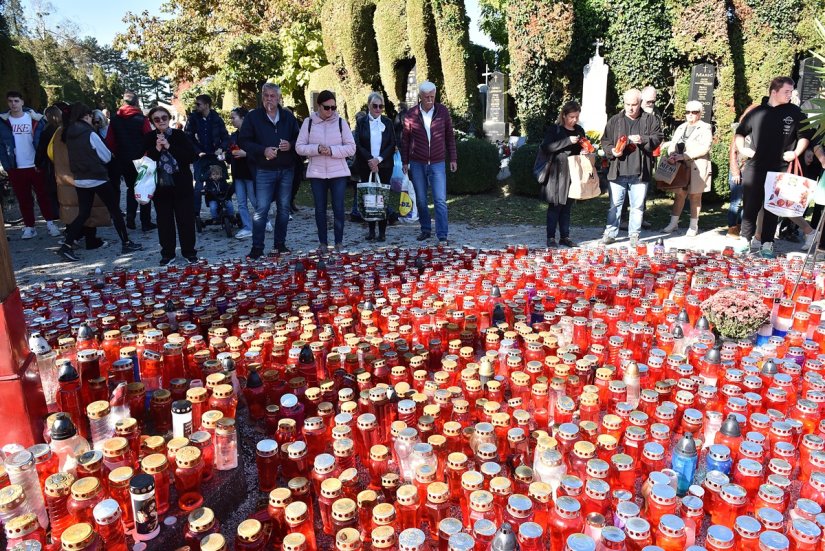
427,144
125,140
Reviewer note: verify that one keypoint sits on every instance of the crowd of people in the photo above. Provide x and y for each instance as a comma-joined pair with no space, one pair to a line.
75,162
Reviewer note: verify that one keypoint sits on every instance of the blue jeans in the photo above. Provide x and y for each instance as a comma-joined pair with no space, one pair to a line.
198,196
269,185
229,208
735,209
619,189
245,190
559,215
435,175
338,188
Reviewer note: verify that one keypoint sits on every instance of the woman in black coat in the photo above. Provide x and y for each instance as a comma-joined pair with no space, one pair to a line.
174,196
374,150
560,141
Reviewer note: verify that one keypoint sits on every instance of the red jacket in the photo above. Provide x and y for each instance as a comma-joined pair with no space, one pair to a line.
414,143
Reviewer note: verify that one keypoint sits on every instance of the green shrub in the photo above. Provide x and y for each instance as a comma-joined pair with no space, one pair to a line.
719,159
521,171
478,166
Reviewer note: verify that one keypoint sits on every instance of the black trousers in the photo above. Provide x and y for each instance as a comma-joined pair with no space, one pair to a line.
126,169
175,209
85,200
753,197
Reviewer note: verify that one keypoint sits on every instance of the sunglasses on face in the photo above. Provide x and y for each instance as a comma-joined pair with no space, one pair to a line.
692,112
162,118
377,106
329,107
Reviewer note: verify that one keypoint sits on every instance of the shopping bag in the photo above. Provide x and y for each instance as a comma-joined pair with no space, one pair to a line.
145,182
819,194
584,180
397,178
670,177
407,209
788,193
372,198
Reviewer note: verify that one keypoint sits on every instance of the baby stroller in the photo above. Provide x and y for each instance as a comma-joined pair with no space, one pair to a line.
218,189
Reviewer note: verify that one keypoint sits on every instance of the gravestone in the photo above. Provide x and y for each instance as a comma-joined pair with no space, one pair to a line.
412,88
313,97
495,121
594,94
810,83
702,81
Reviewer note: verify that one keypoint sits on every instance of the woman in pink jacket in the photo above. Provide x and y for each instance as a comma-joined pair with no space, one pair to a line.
326,139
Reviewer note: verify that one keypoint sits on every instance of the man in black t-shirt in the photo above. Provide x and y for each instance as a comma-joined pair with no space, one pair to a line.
776,140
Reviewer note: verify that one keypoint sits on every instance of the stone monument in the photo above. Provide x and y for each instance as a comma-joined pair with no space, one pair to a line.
495,121
702,81
810,85
594,93
412,88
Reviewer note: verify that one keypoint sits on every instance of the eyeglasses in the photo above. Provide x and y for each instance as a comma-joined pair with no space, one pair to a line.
377,106
162,118
692,112
330,107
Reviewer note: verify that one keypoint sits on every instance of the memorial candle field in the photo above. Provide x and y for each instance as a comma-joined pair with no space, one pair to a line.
430,398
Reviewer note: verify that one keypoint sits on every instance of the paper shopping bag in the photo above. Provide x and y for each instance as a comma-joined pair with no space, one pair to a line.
584,180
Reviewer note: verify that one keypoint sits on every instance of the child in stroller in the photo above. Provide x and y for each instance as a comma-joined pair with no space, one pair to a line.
218,192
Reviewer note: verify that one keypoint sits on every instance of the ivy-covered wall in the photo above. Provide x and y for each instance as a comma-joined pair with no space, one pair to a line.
452,31
18,71
394,58
540,36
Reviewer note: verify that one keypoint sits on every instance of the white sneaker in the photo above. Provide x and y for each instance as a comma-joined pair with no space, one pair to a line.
269,227
29,232
54,231
692,232
755,243
740,245
809,240
243,234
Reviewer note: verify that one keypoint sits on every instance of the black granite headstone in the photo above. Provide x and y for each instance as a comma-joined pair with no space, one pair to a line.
810,83
495,121
702,81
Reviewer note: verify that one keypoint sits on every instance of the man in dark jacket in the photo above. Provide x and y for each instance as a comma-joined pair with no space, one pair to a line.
268,136
631,163
208,133
125,140
427,144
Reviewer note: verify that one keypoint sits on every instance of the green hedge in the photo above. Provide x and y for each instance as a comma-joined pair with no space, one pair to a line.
478,167
522,181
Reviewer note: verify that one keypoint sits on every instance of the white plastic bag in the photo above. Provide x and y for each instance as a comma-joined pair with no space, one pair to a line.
788,193
407,209
145,182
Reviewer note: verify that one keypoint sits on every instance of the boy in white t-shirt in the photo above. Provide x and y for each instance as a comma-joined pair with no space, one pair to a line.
20,131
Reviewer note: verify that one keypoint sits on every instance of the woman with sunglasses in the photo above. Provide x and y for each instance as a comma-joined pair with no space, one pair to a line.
691,144
326,139
374,149
88,157
174,202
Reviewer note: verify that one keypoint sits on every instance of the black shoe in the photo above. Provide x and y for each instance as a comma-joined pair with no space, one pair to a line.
422,236
443,241
370,236
381,237
130,247
282,249
255,254
95,244
551,243
567,242
167,260
67,253
192,259
148,227
130,223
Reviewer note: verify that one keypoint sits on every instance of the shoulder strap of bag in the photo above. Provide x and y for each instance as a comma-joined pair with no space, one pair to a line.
340,128
309,127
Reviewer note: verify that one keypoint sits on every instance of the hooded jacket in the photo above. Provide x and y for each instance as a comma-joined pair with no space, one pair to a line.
7,147
330,132
125,136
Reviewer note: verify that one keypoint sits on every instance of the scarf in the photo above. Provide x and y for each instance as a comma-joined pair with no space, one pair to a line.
376,123
167,163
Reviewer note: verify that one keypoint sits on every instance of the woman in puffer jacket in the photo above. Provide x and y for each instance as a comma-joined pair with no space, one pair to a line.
326,139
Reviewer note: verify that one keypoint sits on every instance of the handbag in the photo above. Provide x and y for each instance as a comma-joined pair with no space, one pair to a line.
788,193
372,198
397,178
671,177
541,166
584,180
145,182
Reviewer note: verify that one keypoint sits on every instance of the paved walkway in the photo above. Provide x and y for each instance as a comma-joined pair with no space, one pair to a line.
36,260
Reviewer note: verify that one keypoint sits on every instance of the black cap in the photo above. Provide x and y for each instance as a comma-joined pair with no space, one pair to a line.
299,267
419,263
253,380
498,314
686,444
85,331
703,324
62,428
306,357
181,406
67,373
142,484
170,306
660,241
730,427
